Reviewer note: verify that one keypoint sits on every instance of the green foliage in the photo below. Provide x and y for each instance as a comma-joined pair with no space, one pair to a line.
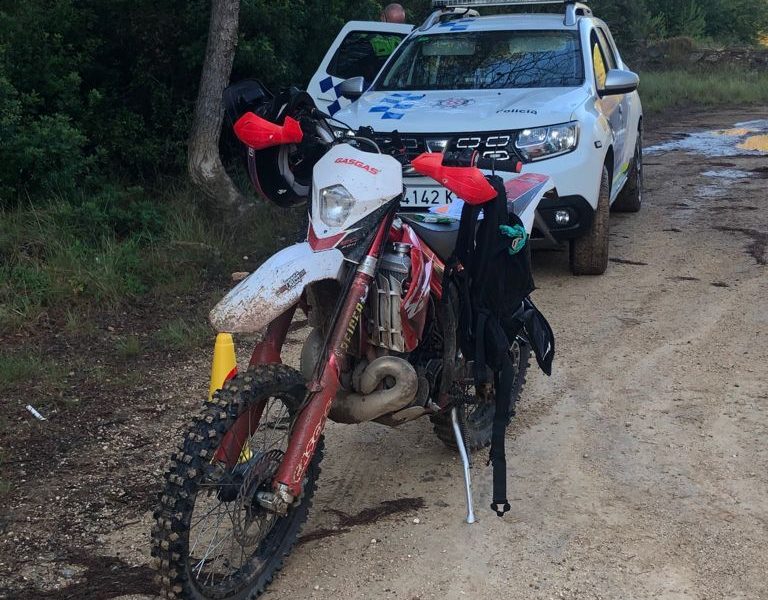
61,258
668,89
128,347
634,22
180,334
28,366
97,90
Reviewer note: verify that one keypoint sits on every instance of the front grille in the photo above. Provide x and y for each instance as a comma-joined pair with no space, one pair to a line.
499,150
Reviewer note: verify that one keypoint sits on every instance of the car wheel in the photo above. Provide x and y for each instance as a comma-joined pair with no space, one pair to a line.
631,197
589,254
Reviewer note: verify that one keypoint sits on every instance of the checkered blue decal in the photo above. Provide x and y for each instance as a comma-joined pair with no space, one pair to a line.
330,83
395,105
457,25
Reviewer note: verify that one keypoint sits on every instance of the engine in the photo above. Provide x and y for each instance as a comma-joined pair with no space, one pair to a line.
382,386
385,326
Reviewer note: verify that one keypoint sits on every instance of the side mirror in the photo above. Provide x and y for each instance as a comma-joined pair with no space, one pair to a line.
352,88
618,82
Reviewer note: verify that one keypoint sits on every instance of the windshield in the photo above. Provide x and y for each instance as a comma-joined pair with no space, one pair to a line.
363,53
486,60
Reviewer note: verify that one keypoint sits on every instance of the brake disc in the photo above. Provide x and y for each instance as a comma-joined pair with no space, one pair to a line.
261,470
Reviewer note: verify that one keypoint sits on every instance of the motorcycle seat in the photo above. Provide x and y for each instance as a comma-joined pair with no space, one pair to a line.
440,237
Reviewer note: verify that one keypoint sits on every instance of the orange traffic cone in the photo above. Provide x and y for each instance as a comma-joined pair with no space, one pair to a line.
224,362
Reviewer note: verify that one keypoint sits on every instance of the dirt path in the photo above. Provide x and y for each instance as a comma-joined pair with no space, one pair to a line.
639,470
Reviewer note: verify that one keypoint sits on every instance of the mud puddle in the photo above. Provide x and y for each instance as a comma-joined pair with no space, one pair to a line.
749,138
366,516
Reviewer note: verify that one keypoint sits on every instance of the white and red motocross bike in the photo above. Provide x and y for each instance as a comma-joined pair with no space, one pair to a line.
383,347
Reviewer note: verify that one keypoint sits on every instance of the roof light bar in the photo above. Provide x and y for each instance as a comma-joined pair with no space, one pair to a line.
573,9
475,3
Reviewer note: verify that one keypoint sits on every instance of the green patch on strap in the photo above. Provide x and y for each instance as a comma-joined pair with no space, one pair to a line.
518,234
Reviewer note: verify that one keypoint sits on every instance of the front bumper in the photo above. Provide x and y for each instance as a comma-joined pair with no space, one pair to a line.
547,232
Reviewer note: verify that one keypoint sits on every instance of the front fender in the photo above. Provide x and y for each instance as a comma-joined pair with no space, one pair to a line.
276,286
524,193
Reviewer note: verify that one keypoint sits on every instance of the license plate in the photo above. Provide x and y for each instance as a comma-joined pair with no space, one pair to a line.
427,196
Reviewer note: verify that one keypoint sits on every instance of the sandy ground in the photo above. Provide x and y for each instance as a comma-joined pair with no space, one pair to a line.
638,470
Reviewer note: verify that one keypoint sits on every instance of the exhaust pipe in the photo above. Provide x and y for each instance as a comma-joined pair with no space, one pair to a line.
370,404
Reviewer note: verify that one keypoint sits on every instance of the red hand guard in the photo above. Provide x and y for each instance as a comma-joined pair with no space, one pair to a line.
259,133
468,183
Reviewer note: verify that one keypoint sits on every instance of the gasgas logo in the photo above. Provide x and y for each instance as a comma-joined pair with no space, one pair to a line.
359,164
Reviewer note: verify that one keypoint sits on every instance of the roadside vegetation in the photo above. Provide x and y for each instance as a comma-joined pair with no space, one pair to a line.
63,259
675,88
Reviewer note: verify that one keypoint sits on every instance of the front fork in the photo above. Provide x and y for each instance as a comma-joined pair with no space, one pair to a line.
325,384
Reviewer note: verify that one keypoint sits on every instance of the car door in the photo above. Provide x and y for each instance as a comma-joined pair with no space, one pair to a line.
630,103
360,50
611,106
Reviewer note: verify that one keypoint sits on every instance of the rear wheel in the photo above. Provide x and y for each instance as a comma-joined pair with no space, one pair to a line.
212,539
476,413
631,197
589,254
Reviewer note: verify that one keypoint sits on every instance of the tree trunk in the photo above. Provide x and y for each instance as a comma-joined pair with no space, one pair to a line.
203,160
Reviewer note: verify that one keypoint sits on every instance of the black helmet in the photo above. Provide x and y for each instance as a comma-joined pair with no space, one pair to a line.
280,174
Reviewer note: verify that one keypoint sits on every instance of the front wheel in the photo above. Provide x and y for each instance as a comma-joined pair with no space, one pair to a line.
476,414
589,254
212,539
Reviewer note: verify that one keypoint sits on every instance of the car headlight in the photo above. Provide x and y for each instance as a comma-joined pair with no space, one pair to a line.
545,142
335,205
340,133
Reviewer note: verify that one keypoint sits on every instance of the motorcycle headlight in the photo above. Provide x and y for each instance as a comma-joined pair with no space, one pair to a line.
546,142
335,205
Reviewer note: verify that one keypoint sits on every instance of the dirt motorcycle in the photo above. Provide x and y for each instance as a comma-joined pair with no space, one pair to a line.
383,347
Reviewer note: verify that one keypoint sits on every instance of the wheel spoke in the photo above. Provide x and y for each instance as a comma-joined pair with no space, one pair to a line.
231,530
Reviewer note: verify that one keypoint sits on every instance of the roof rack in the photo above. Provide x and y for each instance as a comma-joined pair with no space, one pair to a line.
573,9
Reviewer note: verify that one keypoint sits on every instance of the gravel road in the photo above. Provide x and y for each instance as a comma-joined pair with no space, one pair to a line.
638,470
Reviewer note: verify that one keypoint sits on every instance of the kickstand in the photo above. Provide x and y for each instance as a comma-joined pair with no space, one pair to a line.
465,462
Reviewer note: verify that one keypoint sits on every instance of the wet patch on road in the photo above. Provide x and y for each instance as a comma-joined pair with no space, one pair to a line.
728,174
624,261
365,517
744,139
732,208
758,143
683,278
758,244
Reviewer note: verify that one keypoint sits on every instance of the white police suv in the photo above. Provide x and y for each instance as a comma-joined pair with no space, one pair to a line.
549,91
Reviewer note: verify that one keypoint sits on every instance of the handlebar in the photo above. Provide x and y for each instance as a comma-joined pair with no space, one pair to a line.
454,170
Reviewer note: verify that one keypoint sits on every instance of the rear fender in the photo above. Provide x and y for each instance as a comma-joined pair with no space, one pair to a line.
274,288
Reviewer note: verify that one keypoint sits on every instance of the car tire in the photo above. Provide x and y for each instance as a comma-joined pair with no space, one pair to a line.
589,254
630,199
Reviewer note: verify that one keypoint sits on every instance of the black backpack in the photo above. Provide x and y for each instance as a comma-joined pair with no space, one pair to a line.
494,286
